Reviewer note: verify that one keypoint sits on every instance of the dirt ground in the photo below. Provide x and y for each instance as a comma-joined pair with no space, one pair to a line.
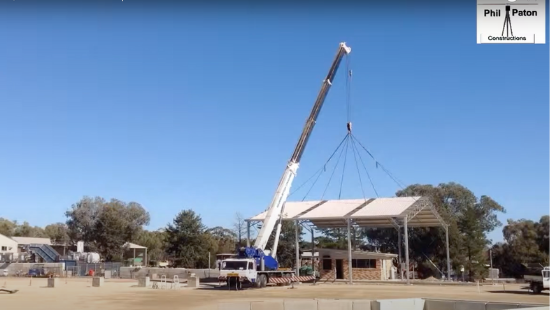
77,293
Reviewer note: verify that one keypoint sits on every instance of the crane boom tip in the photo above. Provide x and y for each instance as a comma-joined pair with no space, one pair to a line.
346,48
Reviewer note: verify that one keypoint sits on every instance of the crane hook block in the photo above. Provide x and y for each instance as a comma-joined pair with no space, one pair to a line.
349,126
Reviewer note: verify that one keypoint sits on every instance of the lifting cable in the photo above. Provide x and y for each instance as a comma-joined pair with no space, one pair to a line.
364,167
378,164
336,166
320,170
348,139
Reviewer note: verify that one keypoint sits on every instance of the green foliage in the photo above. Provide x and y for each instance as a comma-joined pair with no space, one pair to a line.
470,220
105,226
58,233
188,242
155,242
526,242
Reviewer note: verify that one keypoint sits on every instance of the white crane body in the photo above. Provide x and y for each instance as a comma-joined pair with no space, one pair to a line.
253,261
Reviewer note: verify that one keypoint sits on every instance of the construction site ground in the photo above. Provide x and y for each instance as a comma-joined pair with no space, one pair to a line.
115,294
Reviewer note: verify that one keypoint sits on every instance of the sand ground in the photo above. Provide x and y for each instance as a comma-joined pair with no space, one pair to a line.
77,293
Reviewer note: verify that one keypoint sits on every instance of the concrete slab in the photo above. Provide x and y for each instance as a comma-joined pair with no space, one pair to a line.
398,304
439,304
267,305
500,306
364,304
300,304
243,305
334,304
469,305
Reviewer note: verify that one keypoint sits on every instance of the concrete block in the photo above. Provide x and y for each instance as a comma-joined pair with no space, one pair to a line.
243,305
398,304
300,304
193,282
469,305
98,281
267,305
334,304
439,304
500,306
144,282
362,304
53,282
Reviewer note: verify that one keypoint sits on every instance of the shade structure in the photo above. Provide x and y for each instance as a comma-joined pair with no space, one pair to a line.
400,213
371,212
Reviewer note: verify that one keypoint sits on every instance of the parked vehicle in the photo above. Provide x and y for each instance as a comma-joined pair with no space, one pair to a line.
538,279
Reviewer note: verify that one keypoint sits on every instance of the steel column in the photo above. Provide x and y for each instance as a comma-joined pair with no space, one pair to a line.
448,255
407,250
350,270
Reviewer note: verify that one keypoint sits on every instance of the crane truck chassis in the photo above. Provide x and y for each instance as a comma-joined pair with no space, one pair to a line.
256,265
538,282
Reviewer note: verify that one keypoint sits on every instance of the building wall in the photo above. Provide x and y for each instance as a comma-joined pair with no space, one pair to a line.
358,273
7,245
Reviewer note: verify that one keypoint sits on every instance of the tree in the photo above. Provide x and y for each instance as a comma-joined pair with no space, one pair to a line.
524,244
105,226
58,233
26,230
188,241
239,228
155,242
225,239
7,227
110,232
81,219
470,220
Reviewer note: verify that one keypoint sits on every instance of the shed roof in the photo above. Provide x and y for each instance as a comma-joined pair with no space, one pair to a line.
336,253
129,245
31,240
372,212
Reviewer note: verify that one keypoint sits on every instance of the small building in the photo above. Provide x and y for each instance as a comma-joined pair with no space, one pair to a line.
135,254
333,264
7,245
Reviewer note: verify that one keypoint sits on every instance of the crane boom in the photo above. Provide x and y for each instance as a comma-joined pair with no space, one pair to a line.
276,208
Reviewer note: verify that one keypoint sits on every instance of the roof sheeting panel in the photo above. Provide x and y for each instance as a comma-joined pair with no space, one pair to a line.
31,240
333,209
386,207
292,209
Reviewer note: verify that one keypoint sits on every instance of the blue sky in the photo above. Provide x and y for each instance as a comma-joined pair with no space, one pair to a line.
179,108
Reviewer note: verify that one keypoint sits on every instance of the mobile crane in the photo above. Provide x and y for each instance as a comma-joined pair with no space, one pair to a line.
256,265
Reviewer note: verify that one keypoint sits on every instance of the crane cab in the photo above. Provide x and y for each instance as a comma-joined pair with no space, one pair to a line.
237,271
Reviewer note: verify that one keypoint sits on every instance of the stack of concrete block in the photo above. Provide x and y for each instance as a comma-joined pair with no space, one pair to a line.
53,282
98,281
144,282
193,281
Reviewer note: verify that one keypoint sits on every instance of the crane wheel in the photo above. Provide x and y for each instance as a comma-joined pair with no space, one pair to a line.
263,280
536,288
258,282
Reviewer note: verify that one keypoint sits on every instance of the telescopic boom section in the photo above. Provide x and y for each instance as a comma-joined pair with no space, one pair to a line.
276,208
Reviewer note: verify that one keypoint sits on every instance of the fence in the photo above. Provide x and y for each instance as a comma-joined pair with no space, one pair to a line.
108,269
68,269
